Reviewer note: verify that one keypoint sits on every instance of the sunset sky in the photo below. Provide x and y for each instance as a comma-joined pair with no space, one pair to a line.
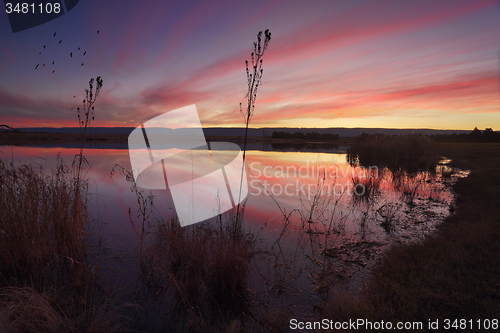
393,64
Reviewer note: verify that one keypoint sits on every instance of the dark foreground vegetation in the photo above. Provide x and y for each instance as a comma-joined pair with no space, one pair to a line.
49,281
453,275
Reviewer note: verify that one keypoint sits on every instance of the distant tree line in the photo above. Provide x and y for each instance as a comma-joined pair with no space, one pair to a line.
488,135
305,136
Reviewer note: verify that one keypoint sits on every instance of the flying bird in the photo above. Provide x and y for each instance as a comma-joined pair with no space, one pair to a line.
74,96
43,65
98,32
82,63
37,66
53,62
55,33
60,41
53,71
78,49
71,54
44,46
39,52
84,52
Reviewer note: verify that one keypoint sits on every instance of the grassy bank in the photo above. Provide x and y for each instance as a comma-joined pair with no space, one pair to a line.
453,275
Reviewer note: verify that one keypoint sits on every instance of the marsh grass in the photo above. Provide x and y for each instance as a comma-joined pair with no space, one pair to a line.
408,185
203,269
454,273
44,221
24,309
323,219
366,186
410,152
48,277
200,271
389,213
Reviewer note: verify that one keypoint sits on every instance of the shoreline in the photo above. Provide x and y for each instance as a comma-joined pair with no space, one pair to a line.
451,275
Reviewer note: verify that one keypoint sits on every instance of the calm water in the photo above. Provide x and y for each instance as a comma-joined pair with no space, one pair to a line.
320,190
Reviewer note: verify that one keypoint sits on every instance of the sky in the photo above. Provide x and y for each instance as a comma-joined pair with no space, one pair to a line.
390,64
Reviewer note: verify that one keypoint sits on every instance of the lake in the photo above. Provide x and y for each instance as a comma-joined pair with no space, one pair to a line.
315,224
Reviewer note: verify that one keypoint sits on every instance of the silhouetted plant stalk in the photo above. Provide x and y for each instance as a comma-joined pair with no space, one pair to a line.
8,128
254,79
145,203
85,119
218,264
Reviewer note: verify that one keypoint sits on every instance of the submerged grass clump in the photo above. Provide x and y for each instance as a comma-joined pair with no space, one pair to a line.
366,186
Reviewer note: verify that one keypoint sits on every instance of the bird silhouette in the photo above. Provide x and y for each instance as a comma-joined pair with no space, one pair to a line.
78,49
39,52
71,54
74,96
53,71
53,62
60,41
43,65
84,52
98,32
37,66
82,63
44,46
55,33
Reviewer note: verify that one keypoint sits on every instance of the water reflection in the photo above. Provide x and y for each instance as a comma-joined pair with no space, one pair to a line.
312,223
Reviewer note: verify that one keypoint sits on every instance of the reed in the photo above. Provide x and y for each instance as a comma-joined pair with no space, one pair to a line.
204,268
411,152
48,279
452,274
42,219
24,309
366,186
409,185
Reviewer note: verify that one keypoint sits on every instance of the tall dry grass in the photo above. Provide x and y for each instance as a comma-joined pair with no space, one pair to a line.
49,281
42,218
24,309
203,270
